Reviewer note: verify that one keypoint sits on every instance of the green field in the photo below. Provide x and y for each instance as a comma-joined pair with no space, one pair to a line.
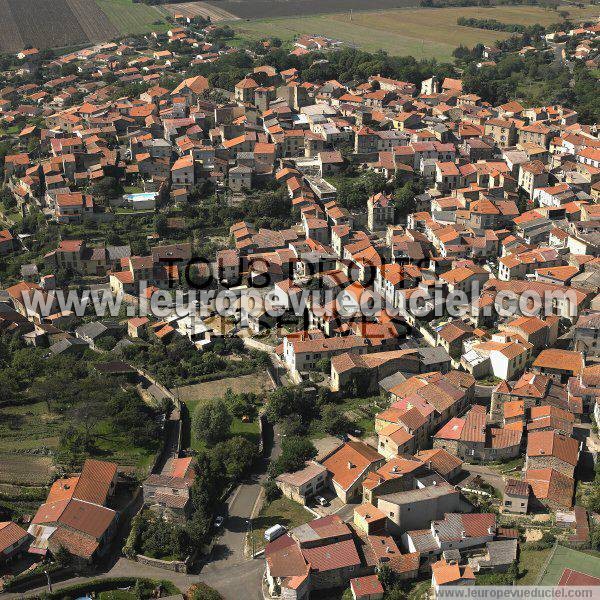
531,563
282,511
565,558
130,18
423,33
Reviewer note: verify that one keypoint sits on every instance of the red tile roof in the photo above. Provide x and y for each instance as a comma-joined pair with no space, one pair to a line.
365,587
549,484
551,443
95,481
349,462
10,533
339,555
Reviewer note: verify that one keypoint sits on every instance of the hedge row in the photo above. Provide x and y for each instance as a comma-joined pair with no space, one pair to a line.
105,585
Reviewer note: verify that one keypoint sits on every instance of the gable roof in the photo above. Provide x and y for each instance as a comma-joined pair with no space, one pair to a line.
350,461
10,533
549,484
551,443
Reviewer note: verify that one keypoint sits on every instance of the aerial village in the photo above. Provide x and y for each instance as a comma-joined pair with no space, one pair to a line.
454,442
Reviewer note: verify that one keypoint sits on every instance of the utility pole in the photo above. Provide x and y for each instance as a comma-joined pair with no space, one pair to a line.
351,15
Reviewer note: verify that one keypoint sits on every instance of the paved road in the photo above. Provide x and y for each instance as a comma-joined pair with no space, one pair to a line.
229,570
487,474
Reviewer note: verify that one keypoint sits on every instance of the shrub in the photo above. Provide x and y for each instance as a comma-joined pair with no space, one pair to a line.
201,591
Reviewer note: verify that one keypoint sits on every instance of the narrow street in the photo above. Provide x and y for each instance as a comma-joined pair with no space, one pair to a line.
228,554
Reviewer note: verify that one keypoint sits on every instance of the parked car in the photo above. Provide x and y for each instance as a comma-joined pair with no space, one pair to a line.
274,532
219,521
321,501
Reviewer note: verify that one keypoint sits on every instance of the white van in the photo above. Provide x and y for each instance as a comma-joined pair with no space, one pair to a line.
274,532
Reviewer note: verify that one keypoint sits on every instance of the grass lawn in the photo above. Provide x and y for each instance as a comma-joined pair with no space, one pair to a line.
130,18
512,467
249,431
195,395
132,189
423,33
120,449
565,558
531,563
282,511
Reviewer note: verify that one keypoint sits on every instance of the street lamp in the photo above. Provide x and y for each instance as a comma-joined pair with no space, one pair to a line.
49,582
251,532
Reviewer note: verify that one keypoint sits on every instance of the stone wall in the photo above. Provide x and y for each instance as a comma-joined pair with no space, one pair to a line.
179,566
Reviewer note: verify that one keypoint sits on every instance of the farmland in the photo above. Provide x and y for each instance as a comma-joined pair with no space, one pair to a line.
256,9
423,33
63,23
198,9
51,23
130,18
192,395
29,432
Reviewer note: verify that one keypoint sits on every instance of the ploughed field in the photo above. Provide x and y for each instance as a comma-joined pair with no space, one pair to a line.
65,23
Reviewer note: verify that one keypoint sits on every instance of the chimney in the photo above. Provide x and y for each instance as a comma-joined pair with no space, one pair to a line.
463,534
491,530
350,465
429,465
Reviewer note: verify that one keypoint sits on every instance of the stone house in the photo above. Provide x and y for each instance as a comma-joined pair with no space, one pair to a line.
303,485
416,509
516,497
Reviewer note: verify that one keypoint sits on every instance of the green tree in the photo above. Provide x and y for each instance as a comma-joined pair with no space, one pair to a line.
212,422
291,400
241,405
272,492
62,556
236,455
333,421
324,365
387,577
106,189
295,451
